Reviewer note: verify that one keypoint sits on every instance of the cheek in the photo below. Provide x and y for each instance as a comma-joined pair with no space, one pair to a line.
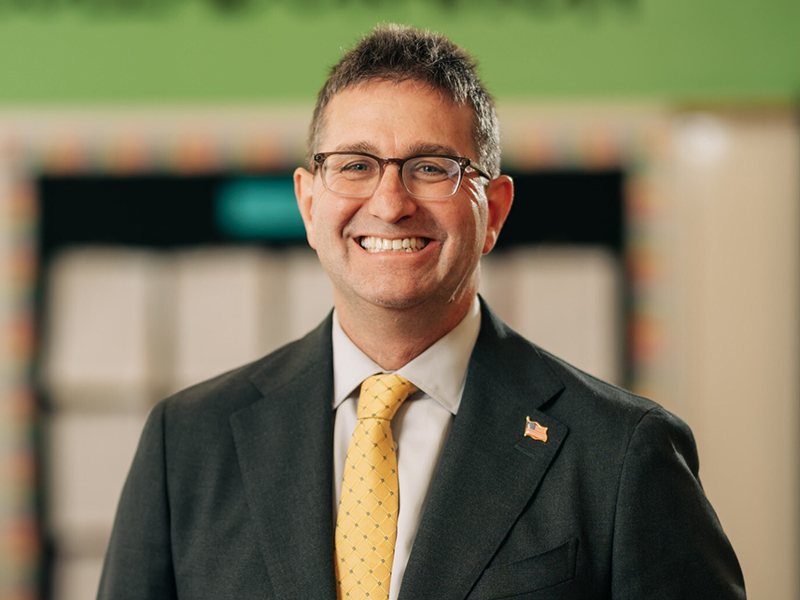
323,208
466,230
331,216
479,215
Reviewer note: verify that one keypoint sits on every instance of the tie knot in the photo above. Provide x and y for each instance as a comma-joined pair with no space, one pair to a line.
381,396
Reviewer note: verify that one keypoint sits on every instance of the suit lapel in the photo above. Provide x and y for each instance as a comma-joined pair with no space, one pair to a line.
489,471
284,443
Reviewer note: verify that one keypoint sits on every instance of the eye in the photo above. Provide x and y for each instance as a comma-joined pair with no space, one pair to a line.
355,166
431,168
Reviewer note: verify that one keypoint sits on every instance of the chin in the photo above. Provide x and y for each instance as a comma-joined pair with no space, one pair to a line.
396,302
419,300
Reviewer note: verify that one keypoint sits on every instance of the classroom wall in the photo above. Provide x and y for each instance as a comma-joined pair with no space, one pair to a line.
728,196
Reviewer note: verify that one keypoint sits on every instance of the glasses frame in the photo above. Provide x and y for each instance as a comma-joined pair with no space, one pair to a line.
466,165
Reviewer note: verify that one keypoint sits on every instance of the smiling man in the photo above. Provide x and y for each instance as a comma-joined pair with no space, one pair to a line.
412,446
400,239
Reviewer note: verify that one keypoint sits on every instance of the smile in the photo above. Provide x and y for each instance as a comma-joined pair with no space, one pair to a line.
376,244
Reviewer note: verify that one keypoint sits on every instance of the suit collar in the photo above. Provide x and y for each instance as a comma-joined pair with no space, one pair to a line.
310,354
284,444
487,463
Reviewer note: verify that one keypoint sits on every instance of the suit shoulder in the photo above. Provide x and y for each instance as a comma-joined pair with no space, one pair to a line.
221,396
574,394
603,418
591,399
591,384
222,392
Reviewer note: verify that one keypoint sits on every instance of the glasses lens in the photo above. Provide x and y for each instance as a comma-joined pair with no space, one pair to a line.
432,176
351,174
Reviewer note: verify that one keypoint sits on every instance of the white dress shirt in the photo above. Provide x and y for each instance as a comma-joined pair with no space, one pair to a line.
420,427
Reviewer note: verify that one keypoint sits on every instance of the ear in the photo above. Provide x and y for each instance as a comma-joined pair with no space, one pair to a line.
500,194
304,192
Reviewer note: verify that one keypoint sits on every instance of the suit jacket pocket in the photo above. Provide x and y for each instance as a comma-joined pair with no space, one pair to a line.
528,575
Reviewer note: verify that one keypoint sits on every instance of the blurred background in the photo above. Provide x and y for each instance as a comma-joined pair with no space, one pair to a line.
149,237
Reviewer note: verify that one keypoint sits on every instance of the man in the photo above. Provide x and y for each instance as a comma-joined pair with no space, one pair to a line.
472,465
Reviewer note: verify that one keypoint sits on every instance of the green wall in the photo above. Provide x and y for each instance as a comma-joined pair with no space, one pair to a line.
674,50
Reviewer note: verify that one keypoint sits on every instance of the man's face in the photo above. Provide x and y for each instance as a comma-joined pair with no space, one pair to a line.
447,236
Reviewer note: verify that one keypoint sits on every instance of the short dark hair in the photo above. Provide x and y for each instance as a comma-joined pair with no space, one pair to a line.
399,53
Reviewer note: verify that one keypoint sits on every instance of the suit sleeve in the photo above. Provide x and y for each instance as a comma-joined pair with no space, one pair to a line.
138,562
668,542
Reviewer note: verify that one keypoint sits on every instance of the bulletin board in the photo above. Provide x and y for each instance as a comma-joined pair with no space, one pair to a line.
635,140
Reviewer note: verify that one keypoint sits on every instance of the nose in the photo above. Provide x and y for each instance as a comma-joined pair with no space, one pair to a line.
391,202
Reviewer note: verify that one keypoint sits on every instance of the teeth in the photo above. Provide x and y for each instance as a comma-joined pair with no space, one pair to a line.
374,244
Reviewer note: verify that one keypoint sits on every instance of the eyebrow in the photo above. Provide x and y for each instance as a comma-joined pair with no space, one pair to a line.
357,147
423,148
413,150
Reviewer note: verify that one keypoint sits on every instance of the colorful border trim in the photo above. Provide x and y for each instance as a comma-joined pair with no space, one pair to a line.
125,143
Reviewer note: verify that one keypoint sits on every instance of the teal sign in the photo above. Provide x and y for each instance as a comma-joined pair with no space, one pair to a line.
259,208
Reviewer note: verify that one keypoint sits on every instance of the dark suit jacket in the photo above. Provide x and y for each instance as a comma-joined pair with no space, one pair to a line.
230,493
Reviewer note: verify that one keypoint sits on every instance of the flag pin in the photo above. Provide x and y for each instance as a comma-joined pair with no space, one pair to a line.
534,430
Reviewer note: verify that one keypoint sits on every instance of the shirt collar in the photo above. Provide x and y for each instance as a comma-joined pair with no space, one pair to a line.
440,371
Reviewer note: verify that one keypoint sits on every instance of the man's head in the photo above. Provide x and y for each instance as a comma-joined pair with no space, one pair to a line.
397,53
389,243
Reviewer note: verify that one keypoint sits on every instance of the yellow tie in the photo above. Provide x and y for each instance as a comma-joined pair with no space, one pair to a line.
366,526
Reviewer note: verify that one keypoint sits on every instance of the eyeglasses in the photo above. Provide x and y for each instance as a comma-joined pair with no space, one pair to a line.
358,174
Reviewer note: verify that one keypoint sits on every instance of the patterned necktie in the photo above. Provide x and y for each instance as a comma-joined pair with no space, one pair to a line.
366,526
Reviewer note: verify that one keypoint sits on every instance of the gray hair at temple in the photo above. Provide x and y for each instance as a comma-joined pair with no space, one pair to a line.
399,53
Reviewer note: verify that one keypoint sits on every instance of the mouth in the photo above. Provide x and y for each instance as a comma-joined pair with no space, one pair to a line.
409,244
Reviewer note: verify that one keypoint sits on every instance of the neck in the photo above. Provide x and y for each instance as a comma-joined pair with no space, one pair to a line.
392,337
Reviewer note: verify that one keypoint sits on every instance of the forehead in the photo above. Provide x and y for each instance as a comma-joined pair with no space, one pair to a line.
396,119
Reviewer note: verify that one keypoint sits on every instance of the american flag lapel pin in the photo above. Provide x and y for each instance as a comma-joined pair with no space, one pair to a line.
534,430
